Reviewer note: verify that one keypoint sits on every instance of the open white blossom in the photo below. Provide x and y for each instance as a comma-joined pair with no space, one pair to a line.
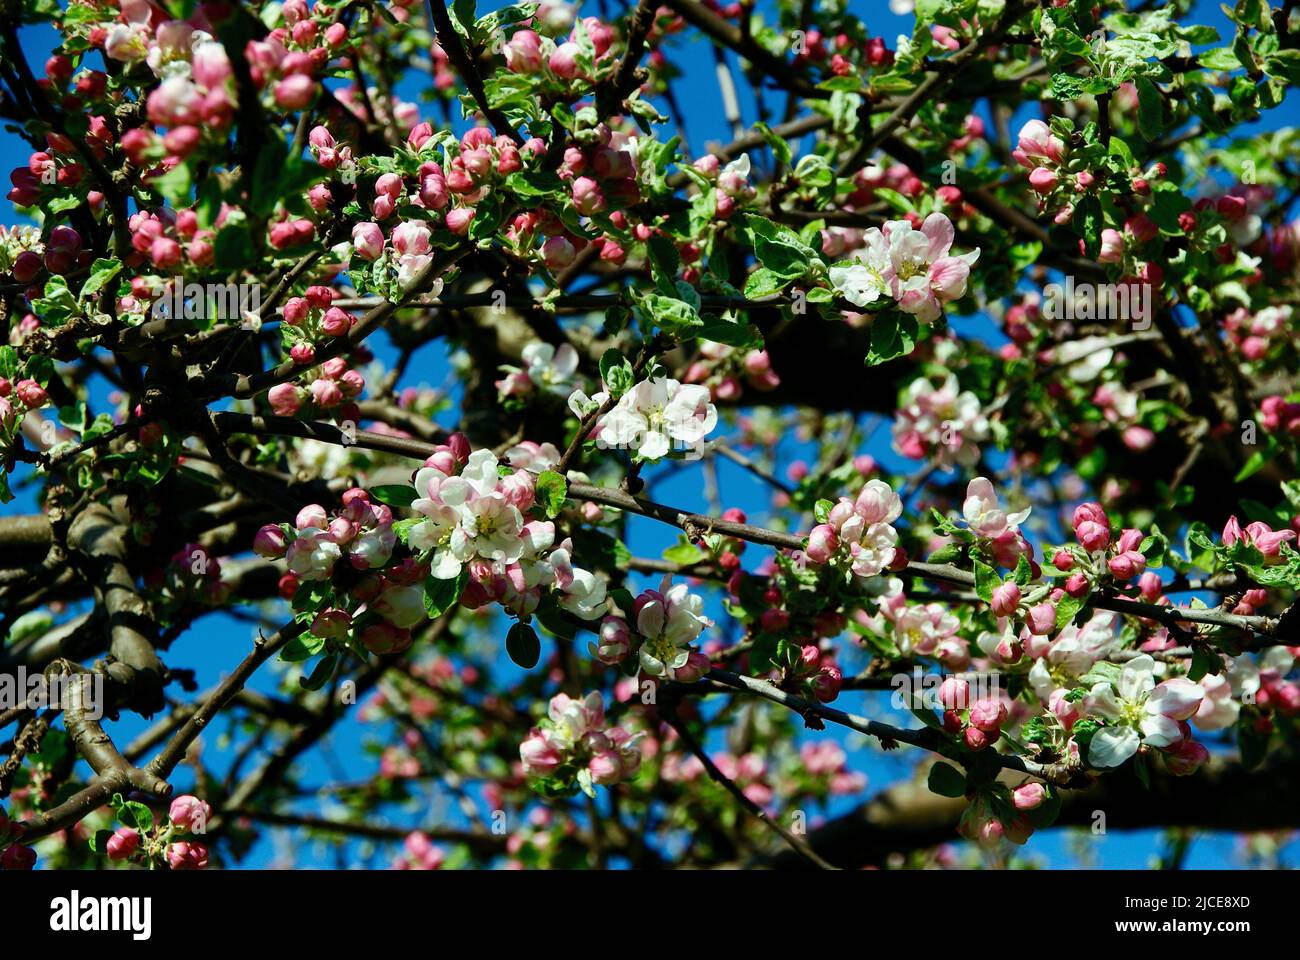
656,414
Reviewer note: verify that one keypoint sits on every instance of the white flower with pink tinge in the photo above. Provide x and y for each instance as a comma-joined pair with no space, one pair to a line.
984,514
656,414
489,526
921,275
411,241
1142,713
583,592
669,619
466,517
942,422
533,456
550,368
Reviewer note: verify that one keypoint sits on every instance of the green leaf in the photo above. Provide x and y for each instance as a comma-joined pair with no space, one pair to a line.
1045,814
986,581
1151,114
892,335
684,553
1067,608
1251,743
321,673
441,595
99,842
1103,671
1255,464
551,490
523,646
174,185
617,373
302,647
731,333
233,247
778,248
136,814
946,554
1204,663
764,283
1220,58
671,314
1283,65
780,146
946,781
101,272
394,494
1066,86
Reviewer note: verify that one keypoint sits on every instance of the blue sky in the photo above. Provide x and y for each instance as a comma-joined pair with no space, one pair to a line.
218,642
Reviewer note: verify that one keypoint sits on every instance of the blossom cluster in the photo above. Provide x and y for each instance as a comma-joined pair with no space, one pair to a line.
912,267
186,818
858,534
574,747
944,424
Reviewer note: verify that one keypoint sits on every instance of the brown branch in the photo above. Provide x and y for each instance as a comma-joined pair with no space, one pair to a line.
449,40
752,808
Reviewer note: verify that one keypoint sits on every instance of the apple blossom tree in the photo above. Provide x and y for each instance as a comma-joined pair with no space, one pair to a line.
989,327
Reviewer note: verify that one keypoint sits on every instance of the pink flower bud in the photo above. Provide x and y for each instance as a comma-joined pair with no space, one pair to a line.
32,394
557,253
524,52
822,543
954,693
1092,535
270,542
1029,796
458,220
1043,180
383,637
326,393
336,322
1185,758
1127,565
122,844
17,857
564,61
189,813
1005,599
284,399
368,239
1112,246
1041,619
295,92
976,739
988,715
187,856
826,686
587,197
1077,586
295,311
